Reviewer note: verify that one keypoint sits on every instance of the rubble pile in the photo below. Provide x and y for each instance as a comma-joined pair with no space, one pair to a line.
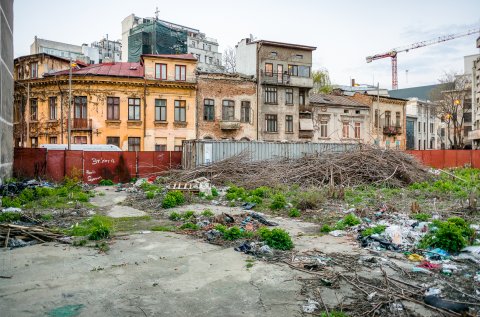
366,166
12,235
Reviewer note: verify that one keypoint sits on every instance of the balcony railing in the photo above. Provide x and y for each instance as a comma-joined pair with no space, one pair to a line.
272,78
305,108
304,134
229,124
81,124
392,130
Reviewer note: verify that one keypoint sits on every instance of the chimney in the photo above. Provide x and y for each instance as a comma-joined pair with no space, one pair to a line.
353,82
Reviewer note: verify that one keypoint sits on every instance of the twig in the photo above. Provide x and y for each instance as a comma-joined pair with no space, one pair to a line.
321,299
8,237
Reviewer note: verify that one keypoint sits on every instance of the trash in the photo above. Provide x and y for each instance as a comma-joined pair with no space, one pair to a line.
371,296
203,223
429,265
417,269
447,272
395,234
248,206
9,234
432,291
12,209
349,211
311,306
213,234
261,219
245,247
437,254
249,227
337,233
473,252
415,257
66,311
265,250
436,301
395,307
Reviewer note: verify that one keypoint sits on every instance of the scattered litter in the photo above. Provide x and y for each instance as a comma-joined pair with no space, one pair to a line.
266,250
12,209
432,291
438,302
337,233
417,269
248,206
311,306
415,257
261,218
371,296
66,311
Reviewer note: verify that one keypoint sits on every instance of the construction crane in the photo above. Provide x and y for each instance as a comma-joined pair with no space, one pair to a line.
393,53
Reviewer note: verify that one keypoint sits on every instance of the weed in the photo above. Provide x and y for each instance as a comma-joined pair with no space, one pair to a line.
276,238
232,233
207,213
174,216
451,235
220,228
102,247
235,193
214,192
309,199
79,243
10,216
96,228
326,228
82,197
44,192
294,212
105,182
333,313
146,187
231,204
188,215
209,197
254,199
350,220
11,202
262,192
150,195
101,194
47,217
422,216
173,198
201,194
374,230
250,263
279,201
189,226
164,228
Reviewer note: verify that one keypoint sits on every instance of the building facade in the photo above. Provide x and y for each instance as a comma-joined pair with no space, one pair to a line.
154,36
6,89
226,107
474,134
424,129
339,119
56,48
143,106
108,50
284,80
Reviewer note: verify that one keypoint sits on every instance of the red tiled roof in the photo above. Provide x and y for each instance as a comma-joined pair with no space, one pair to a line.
335,100
107,69
190,57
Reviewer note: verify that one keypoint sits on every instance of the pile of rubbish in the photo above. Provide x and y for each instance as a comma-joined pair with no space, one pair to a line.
366,166
14,236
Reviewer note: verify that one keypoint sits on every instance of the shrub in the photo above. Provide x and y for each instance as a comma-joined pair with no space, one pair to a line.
10,216
175,216
82,197
169,202
11,202
422,216
209,197
350,220
232,233
47,217
279,201
188,214
179,197
254,199
189,226
374,230
234,193
220,228
294,212
43,192
27,195
326,228
105,182
276,238
214,192
62,191
310,199
207,213
448,236
96,228
262,192
150,195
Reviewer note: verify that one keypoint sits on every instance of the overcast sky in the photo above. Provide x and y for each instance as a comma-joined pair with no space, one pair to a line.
344,32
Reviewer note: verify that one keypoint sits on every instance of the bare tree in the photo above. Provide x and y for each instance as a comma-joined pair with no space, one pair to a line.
230,60
321,81
454,105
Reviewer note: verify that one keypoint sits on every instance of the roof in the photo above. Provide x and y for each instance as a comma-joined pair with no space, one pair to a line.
288,45
107,69
421,92
189,57
41,54
336,100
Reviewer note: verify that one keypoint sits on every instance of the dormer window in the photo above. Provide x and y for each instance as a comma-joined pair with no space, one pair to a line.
273,54
161,71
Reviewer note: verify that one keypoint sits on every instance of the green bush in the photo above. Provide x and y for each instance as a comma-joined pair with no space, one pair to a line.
374,230
44,192
207,213
146,187
62,191
279,201
254,199
326,228
294,212
350,220
232,233
214,192
276,238
175,216
105,182
262,192
27,195
11,202
179,197
422,216
188,215
10,216
220,228
47,217
150,195
310,199
452,235
189,226
235,193
96,228
209,197
169,202
83,197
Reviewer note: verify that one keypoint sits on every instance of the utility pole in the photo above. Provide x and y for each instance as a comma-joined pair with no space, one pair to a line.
69,121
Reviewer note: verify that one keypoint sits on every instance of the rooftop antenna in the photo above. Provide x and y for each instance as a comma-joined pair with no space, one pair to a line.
156,13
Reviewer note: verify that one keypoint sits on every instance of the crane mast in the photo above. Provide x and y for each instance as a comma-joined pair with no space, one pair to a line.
393,53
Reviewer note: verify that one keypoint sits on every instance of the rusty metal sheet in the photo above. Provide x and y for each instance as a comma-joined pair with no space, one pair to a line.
464,158
130,161
450,158
56,165
145,163
29,163
476,158
176,159
99,165
436,158
74,164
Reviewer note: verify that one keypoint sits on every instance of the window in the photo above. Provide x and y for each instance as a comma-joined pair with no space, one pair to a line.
376,118
33,109
228,110
133,108
34,142
273,54
193,43
113,140
180,110
289,96
293,70
357,111
271,122
431,127
178,148
210,60
419,144
80,140
431,143
160,110
113,108
245,112
180,72
346,111
425,127
301,97
209,47
208,110
397,119
289,123
160,147
271,95
299,56
52,108
424,144
134,144
357,130
346,130
33,70
304,71
269,69
161,71
53,140
324,128
419,127
80,105
387,118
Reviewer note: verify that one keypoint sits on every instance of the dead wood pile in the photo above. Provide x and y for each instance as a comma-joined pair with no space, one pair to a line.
9,233
366,166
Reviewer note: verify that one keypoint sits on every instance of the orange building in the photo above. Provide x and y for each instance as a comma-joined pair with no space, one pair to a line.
143,106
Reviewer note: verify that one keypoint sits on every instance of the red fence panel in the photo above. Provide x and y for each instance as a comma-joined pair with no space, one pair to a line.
130,161
176,159
464,157
145,162
437,158
448,158
29,163
476,159
98,165
56,165
74,164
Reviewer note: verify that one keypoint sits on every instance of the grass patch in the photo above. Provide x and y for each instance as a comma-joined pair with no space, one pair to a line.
276,238
105,182
150,195
164,228
175,216
232,233
451,235
96,228
214,192
309,199
278,202
207,213
189,226
422,216
173,198
294,213
374,230
350,220
102,246
326,228
10,216
46,217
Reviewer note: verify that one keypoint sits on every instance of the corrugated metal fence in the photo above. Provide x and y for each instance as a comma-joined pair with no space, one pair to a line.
201,152
92,166
448,158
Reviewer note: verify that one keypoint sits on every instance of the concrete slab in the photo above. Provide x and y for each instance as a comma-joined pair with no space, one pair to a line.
109,196
119,211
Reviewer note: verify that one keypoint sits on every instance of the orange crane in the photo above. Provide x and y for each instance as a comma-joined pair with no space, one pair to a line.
393,53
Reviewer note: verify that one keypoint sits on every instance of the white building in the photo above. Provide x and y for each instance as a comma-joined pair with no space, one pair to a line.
472,65
425,131
56,48
204,48
108,50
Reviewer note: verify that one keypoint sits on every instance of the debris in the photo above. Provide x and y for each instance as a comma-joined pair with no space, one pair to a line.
260,217
415,257
432,291
245,247
265,249
248,206
438,302
417,269
337,233
19,236
371,296
311,306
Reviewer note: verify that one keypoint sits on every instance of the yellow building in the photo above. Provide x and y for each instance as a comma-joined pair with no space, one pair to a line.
142,106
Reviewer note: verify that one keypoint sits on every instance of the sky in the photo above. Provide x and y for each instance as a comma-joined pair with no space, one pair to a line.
344,32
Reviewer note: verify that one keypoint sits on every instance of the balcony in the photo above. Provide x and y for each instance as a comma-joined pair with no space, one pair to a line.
392,130
284,79
305,134
80,124
474,135
305,108
229,125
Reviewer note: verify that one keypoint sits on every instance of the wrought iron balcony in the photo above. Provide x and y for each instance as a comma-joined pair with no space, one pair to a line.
392,130
80,124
